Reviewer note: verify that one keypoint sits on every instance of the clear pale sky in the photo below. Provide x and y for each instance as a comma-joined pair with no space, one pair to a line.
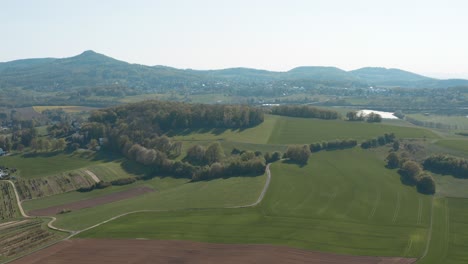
424,36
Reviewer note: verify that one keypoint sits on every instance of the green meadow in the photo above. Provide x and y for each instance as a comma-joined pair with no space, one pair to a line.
342,201
280,130
336,203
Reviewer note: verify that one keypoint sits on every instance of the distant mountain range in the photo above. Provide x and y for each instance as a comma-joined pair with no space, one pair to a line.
91,69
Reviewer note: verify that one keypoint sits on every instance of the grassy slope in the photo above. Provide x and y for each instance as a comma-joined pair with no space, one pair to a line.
290,130
171,194
334,204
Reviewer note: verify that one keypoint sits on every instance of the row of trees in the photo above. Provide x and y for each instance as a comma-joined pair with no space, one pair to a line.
445,164
379,141
333,145
304,111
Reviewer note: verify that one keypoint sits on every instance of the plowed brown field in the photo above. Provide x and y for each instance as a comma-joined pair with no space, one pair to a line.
77,251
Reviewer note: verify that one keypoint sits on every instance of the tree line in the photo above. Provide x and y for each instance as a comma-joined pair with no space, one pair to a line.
159,117
333,145
445,164
379,141
304,111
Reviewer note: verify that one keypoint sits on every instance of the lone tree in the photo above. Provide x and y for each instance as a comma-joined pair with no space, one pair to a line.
426,184
299,154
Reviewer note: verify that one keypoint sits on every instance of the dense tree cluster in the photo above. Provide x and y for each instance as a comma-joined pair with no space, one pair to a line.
411,173
333,145
151,117
304,111
356,116
379,141
445,164
298,154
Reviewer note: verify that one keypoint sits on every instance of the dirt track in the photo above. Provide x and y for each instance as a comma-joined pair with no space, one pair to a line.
77,251
92,202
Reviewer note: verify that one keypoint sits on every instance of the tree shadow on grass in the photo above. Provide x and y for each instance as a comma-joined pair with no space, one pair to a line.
300,165
40,154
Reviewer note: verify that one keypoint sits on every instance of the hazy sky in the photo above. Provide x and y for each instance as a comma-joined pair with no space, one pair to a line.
423,36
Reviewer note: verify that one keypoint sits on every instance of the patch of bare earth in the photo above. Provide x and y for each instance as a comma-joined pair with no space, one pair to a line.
79,251
109,198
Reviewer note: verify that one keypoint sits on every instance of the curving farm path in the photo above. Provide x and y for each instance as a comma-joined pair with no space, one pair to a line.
73,233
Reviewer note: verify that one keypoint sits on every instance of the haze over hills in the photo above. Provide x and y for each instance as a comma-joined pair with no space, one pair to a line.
91,69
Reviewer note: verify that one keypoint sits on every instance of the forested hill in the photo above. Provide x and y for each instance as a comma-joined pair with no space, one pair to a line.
93,70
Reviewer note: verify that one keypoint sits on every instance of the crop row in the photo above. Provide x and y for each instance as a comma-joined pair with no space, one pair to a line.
23,237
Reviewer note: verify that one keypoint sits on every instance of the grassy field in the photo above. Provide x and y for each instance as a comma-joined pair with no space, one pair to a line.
258,134
459,145
115,170
449,233
66,108
455,121
36,165
290,130
335,204
170,194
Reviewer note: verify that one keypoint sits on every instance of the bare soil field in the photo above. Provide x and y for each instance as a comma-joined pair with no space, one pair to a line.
78,251
109,198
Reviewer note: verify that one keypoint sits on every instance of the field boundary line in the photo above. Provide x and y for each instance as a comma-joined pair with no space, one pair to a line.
397,209
376,204
420,211
429,236
330,200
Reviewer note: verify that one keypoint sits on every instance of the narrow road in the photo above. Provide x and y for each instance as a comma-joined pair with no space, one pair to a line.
20,206
262,194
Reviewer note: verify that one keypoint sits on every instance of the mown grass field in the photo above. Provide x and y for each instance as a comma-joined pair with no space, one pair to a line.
110,171
290,130
449,238
337,203
36,165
